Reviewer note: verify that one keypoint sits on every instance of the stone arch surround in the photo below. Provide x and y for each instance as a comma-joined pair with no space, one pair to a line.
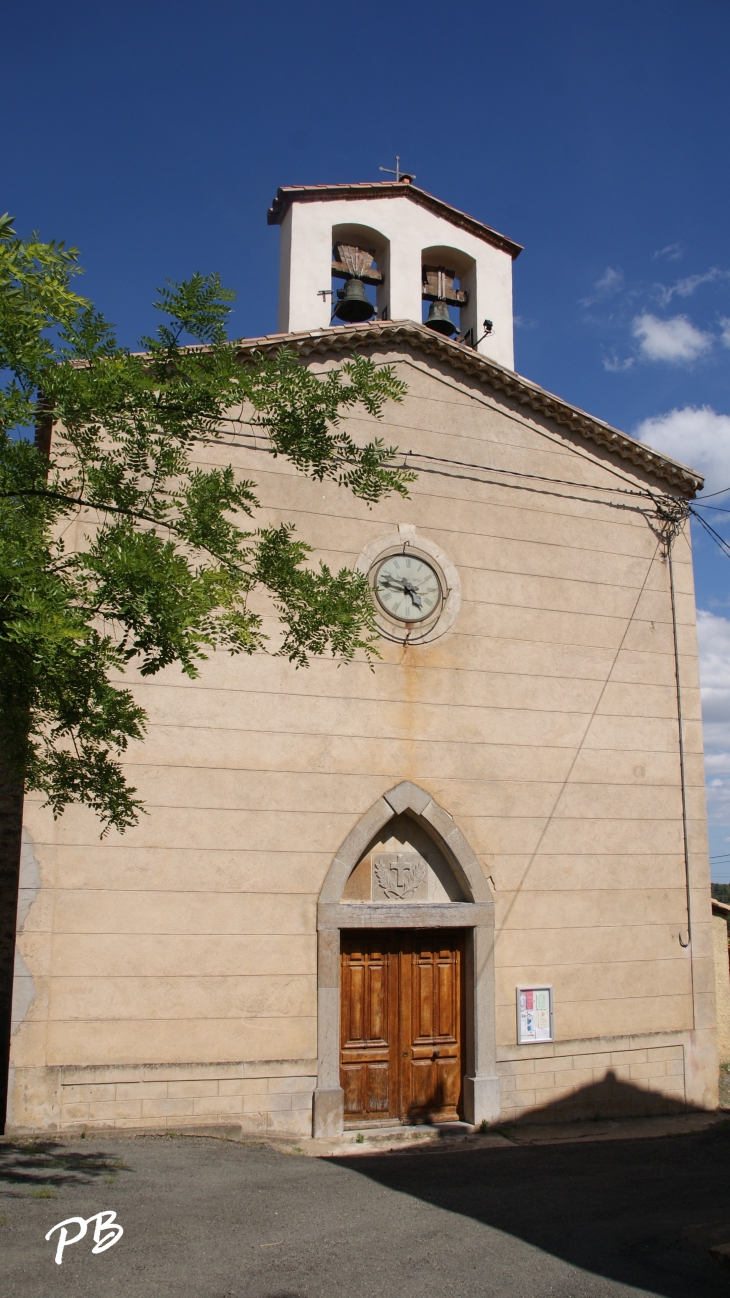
475,915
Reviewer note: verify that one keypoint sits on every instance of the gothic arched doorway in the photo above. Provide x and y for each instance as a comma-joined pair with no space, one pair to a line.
405,938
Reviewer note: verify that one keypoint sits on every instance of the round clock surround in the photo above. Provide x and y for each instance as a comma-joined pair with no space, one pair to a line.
416,588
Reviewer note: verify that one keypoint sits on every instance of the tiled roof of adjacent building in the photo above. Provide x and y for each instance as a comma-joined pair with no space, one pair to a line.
288,194
384,334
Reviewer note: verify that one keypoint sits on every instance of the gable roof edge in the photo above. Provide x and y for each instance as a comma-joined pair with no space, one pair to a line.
458,356
288,194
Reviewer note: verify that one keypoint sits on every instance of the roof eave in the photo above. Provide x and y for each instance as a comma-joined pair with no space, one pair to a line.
288,194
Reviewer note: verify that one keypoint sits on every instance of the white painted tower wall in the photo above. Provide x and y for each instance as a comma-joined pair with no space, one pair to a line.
399,230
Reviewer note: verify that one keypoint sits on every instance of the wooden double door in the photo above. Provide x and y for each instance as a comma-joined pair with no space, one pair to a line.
402,1024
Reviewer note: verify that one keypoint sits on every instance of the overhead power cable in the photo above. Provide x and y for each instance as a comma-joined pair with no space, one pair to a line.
523,480
517,473
720,541
720,509
542,491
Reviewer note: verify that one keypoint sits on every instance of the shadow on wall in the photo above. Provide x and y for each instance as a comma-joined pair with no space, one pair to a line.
609,1098
639,1213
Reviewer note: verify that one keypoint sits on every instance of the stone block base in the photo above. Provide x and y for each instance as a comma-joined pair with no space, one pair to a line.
602,1078
481,1100
269,1097
328,1113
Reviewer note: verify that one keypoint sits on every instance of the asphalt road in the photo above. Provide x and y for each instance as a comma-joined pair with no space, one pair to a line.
207,1218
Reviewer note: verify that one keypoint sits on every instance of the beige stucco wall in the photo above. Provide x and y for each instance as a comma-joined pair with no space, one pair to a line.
183,955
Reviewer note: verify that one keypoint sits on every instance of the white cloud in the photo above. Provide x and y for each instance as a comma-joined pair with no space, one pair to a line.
713,638
609,283
676,340
672,252
725,334
615,365
689,285
695,436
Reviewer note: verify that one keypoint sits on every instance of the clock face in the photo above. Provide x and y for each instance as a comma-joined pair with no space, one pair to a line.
408,588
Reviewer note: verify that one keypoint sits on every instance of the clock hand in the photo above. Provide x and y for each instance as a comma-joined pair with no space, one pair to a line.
412,591
406,586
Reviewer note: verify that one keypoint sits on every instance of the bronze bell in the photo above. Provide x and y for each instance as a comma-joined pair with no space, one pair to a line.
352,303
438,318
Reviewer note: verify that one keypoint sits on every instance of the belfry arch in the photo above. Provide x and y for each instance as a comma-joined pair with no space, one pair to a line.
474,915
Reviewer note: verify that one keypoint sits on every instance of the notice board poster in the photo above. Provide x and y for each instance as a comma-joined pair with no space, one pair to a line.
534,1014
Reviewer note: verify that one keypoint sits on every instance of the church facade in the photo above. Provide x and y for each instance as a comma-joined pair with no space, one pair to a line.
470,884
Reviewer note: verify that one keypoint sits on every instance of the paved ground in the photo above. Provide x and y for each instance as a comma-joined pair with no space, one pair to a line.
208,1218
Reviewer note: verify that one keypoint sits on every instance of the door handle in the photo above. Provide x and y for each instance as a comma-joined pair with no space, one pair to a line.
405,1054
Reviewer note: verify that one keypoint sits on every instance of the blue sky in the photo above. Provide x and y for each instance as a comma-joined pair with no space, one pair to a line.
153,136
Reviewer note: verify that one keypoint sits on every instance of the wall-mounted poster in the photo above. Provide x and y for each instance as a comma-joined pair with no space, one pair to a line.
534,1014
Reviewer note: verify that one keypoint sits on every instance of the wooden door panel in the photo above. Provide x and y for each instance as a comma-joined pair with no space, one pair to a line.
432,1059
448,1085
401,1025
355,1001
448,997
352,1080
377,1087
365,998
366,1087
422,973
421,1086
378,1001
367,1043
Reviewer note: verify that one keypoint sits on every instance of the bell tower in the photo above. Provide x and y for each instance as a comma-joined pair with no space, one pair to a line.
388,250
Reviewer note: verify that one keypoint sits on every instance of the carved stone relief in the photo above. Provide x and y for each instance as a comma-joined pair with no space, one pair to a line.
404,865
400,876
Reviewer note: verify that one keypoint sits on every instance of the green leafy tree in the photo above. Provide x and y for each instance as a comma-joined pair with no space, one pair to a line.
117,549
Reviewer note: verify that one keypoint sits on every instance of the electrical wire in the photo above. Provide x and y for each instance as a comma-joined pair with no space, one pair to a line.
541,491
720,541
517,473
549,819
682,763
250,441
535,428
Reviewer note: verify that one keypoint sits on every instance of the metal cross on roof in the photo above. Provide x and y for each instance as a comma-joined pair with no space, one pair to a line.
397,173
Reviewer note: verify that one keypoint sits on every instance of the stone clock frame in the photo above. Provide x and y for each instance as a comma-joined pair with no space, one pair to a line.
401,542
475,916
